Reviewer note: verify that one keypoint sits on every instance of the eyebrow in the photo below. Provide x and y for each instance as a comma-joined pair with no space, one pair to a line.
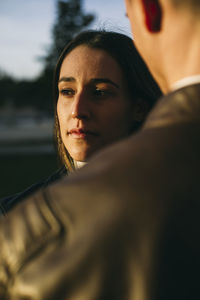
95,81
66,79
105,80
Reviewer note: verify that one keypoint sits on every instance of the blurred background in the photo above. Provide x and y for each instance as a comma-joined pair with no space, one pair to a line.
32,35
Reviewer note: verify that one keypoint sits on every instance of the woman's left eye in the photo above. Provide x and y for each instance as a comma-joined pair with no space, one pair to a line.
101,92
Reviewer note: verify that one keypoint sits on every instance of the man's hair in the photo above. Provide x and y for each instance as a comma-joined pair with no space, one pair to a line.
192,5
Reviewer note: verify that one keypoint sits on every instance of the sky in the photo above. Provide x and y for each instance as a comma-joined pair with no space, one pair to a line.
26,25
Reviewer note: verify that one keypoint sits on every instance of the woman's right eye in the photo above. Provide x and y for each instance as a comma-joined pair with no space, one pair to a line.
67,92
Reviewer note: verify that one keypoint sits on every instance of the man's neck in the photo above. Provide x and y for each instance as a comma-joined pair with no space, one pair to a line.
180,49
183,65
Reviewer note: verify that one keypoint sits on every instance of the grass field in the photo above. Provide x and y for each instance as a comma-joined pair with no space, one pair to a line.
17,172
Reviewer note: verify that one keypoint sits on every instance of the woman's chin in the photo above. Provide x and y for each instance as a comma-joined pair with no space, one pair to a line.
83,152
82,157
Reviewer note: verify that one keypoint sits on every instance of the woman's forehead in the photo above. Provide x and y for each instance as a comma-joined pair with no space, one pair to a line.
91,62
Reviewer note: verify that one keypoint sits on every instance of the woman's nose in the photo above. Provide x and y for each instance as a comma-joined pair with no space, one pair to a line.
80,107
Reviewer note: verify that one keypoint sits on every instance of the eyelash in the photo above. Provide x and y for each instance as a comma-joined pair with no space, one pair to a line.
97,92
101,92
67,92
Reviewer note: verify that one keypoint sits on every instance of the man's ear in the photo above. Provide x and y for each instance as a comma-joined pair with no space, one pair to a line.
153,15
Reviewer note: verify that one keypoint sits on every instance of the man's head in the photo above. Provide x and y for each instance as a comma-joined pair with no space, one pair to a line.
166,33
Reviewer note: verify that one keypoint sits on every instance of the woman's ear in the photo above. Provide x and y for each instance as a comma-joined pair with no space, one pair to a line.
140,110
153,15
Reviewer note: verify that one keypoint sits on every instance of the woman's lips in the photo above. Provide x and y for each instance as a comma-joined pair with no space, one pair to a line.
81,133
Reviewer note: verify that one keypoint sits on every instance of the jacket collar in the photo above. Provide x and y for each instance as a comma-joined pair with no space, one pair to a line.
180,106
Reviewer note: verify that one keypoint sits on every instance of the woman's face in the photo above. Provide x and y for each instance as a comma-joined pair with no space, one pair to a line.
93,106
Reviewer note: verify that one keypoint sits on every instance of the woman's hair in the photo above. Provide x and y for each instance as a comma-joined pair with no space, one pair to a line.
139,81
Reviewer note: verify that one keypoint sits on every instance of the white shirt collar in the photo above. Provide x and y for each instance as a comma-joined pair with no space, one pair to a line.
185,82
79,164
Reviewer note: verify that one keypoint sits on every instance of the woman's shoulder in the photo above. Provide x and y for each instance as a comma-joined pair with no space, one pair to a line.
9,202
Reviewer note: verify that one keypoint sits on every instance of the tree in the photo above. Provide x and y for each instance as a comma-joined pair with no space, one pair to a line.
69,22
7,87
